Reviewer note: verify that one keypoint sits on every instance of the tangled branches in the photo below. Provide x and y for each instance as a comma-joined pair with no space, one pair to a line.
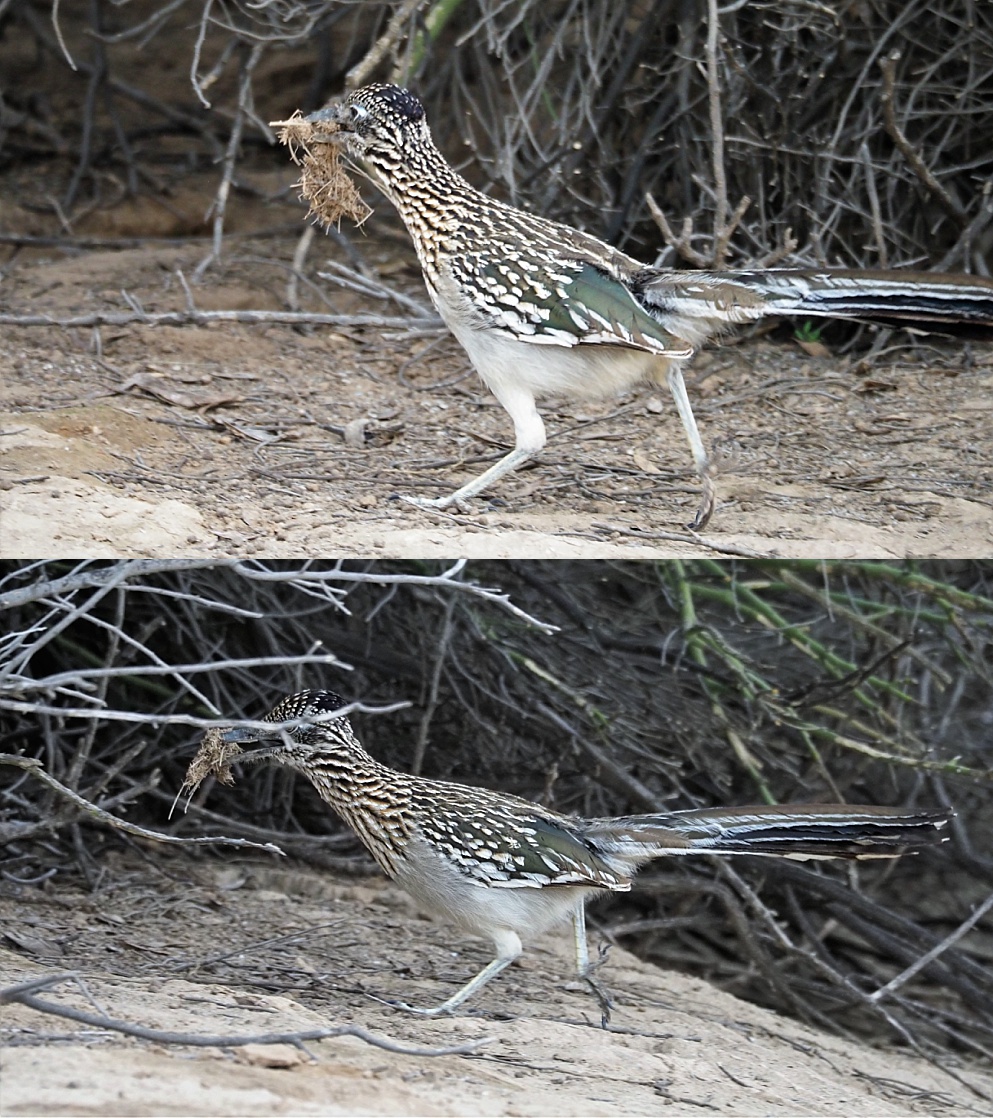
762,131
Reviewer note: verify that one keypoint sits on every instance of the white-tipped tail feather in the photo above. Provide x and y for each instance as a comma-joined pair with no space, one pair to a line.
795,831
743,296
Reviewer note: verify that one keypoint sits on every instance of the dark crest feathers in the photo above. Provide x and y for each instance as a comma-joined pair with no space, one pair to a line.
303,704
400,101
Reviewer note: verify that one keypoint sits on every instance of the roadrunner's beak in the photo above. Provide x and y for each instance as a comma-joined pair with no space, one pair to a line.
275,744
338,130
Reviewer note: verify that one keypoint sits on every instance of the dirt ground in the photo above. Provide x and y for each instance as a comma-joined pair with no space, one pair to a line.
243,947
231,438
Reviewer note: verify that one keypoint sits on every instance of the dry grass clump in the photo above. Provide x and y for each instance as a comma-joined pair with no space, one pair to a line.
324,184
213,758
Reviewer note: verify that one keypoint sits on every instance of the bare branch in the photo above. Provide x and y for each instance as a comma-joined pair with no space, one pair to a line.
385,45
919,167
201,318
24,994
680,243
88,576
716,131
90,810
929,957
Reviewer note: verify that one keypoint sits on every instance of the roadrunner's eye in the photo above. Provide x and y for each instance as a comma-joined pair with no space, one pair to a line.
358,113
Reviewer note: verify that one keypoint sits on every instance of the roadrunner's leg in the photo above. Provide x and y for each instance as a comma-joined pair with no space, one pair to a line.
674,376
509,947
529,438
586,969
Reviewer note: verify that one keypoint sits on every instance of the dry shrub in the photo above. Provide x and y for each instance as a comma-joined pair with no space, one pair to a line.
863,128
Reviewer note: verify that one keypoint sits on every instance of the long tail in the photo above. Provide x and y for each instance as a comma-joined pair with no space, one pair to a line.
800,831
743,296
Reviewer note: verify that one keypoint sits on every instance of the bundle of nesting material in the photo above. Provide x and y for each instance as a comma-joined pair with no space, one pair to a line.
323,182
214,758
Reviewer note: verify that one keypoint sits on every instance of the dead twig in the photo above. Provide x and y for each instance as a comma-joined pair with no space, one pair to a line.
929,957
23,993
87,809
681,242
201,318
888,68
721,231
385,45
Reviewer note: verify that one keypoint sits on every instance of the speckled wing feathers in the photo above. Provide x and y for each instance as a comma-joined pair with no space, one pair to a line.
504,843
563,303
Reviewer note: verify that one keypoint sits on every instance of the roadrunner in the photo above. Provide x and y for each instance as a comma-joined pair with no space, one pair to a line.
503,868
542,309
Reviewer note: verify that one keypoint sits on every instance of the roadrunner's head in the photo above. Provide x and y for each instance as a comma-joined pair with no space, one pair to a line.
383,125
316,730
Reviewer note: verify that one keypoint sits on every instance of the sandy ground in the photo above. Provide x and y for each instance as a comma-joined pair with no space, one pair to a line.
231,439
211,947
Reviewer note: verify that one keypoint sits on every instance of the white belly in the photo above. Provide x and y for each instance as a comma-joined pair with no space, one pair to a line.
550,370
442,890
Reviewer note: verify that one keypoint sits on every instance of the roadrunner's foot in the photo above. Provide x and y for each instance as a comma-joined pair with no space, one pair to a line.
451,501
705,510
600,991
